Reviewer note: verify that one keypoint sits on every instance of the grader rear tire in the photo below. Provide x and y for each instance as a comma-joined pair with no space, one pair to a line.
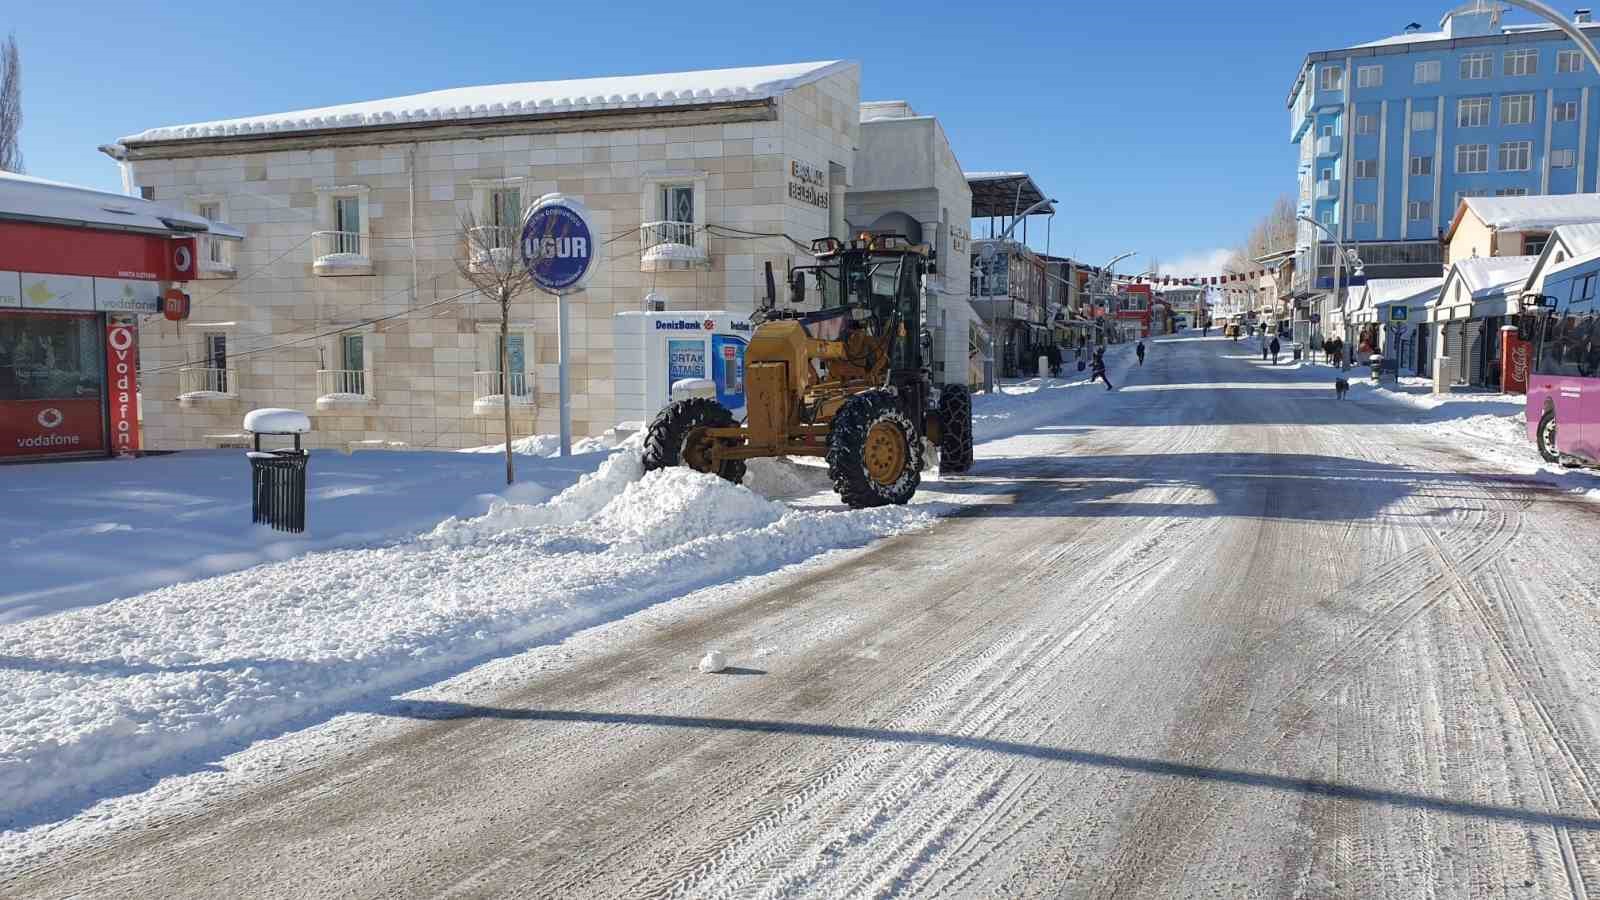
874,452
672,439
955,414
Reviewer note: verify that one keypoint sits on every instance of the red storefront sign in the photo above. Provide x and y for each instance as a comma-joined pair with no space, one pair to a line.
122,385
42,427
1516,358
56,250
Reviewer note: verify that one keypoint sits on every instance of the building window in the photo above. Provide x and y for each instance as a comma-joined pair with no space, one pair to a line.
505,215
1472,112
1472,158
1369,77
1566,111
1563,159
1422,120
1366,168
1476,65
1427,72
1365,213
1419,211
1328,218
1462,195
343,248
353,359
1516,156
216,362
1422,165
1366,124
1516,109
1332,78
677,203
1522,62
1569,61
1511,192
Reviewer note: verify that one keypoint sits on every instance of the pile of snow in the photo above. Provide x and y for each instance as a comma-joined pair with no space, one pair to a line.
110,696
713,662
549,445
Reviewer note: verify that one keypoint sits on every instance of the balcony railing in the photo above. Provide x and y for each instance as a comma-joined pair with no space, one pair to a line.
1327,190
1329,145
341,253
199,386
490,391
343,387
672,245
493,247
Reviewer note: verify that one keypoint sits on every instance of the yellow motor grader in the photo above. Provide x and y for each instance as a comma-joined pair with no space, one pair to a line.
849,383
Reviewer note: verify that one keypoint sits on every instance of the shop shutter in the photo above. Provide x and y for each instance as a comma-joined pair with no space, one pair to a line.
1473,358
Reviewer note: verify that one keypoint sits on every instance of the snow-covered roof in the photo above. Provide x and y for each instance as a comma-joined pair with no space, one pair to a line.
1486,276
992,176
1391,291
1578,239
1413,37
1539,211
25,198
531,98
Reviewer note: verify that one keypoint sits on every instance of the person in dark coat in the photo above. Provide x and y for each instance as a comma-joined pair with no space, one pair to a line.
1140,350
1276,347
1099,365
1053,355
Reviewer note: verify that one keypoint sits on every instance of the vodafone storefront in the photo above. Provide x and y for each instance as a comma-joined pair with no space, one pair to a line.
77,269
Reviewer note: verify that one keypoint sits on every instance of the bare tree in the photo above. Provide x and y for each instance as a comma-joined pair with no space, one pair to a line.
10,106
492,265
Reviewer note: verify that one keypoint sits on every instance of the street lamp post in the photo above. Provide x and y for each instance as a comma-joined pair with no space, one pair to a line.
994,336
1338,264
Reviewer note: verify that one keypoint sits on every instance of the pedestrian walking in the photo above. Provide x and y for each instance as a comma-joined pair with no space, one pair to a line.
1276,347
1263,350
1140,350
1100,369
1053,354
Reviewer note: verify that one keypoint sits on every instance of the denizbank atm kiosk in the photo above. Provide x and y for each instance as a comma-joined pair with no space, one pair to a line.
655,350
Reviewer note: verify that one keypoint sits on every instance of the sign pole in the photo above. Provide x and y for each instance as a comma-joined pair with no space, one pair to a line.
562,343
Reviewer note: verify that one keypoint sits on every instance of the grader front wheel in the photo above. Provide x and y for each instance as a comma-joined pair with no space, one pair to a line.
677,438
874,452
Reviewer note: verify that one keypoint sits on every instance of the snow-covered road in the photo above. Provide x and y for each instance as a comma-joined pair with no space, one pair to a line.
1214,634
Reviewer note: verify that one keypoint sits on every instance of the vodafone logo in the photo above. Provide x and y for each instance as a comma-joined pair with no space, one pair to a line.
182,259
710,325
50,418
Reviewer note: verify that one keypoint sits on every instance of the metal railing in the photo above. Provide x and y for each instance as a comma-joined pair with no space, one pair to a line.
654,234
339,243
353,382
200,379
492,384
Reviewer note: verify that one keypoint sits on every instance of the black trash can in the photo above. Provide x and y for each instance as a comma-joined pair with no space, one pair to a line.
278,489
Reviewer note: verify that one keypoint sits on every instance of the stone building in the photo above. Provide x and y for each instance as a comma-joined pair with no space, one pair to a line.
344,297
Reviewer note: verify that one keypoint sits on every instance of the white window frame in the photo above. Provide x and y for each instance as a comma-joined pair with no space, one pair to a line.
652,183
1426,72
216,255
1472,158
483,191
487,349
1463,195
1424,120
1565,158
1328,218
331,356
1568,61
1366,123
1369,76
1516,109
1477,66
326,197
1511,192
1421,165
1330,78
1520,63
1366,213
1522,152
1366,168
1474,112
1419,210
1565,111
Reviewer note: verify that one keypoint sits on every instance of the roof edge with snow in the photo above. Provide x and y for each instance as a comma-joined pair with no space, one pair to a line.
526,100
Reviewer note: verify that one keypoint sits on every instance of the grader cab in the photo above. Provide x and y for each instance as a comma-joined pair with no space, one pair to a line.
849,383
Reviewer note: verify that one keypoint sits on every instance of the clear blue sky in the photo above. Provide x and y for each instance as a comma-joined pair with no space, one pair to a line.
1160,125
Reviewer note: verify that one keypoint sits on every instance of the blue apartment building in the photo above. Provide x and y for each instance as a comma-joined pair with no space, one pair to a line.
1393,134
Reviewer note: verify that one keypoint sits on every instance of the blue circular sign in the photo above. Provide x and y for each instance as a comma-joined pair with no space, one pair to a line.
557,246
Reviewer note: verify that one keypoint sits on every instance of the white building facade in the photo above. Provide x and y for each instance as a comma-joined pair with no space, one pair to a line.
344,298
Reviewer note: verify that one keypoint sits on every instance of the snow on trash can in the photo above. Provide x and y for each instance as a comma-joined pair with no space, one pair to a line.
278,477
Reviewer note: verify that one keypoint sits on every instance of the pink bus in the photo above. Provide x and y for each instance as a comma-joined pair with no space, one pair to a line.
1564,384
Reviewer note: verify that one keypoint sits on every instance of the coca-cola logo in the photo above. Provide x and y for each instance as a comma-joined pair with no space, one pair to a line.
1519,362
